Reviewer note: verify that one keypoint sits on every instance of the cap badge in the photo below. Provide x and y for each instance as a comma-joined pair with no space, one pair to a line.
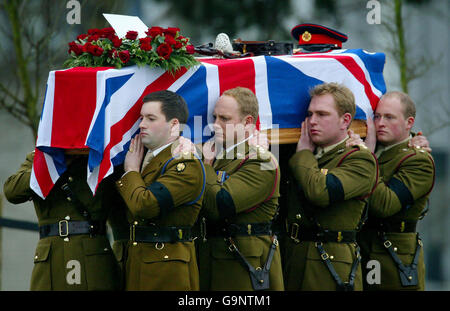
306,36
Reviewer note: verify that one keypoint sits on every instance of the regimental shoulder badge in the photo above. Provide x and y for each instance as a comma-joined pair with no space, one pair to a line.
180,167
324,171
306,36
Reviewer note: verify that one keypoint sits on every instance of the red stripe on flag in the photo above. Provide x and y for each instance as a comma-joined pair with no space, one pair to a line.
358,73
74,106
41,172
125,124
234,73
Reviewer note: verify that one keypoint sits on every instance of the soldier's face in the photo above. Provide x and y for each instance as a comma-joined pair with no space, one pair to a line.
391,125
155,129
229,126
326,127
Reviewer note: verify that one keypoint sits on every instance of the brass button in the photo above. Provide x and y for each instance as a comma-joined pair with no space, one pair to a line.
105,249
134,243
395,249
331,257
298,216
166,257
135,223
36,257
67,217
70,178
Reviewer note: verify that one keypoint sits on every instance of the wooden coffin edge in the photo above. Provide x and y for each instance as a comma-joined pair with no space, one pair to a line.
292,135
277,136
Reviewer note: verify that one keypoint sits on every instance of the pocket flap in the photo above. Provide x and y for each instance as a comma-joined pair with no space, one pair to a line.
170,252
336,252
42,251
248,247
96,245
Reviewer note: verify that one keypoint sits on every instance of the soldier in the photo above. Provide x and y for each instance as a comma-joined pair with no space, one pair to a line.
326,198
406,179
163,195
73,252
237,249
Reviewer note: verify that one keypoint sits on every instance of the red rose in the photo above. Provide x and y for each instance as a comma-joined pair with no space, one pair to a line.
164,50
93,38
96,50
94,31
172,31
190,49
87,47
76,48
116,41
131,35
124,56
108,33
170,40
82,37
146,44
154,31
178,45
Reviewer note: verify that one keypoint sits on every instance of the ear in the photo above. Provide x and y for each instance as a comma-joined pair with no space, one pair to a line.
249,123
248,120
346,119
409,123
175,127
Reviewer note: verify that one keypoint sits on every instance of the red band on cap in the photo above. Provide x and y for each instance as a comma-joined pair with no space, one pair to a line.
318,39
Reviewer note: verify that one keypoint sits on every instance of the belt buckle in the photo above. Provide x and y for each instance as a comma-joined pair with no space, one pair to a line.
294,231
387,243
60,226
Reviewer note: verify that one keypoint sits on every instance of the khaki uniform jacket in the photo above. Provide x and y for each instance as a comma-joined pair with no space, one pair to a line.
168,266
249,195
327,191
79,262
406,180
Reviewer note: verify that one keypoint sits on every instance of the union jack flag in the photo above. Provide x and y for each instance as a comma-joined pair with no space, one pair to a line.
99,108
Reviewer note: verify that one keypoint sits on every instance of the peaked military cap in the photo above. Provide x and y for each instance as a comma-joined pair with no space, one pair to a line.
313,34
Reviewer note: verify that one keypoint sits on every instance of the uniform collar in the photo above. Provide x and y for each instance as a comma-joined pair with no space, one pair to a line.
381,148
157,151
321,151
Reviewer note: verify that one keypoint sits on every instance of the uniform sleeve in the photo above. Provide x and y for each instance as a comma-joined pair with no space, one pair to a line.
413,180
244,189
181,183
354,178
17,187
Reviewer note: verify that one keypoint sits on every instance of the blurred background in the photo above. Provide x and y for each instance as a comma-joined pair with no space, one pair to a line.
414,35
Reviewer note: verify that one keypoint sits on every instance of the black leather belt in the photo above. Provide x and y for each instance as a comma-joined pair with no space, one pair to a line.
344,236
66,228
392,226
239,229
156,234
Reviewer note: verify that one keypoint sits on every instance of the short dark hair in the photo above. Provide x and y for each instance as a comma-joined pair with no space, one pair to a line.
173,106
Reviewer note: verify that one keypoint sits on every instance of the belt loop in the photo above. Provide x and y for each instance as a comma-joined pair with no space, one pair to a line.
132,232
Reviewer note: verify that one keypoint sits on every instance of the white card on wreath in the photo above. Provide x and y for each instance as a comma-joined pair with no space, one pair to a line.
124,23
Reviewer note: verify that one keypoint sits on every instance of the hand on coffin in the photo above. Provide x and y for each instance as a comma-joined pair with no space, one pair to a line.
185,148
259,139
420,141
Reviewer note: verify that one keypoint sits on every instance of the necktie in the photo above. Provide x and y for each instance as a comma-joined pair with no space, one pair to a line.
148,157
